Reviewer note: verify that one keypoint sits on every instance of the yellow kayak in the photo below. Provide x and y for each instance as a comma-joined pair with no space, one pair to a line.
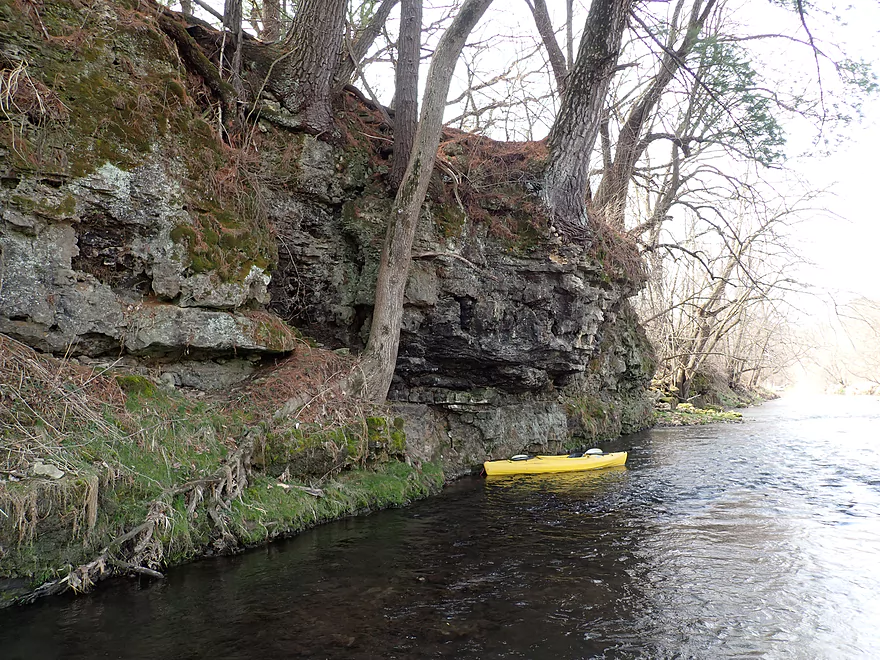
564,463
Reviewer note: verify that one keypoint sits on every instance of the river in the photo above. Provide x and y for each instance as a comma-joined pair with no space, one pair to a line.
753,540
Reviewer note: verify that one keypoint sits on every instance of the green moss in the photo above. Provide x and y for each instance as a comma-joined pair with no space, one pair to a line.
123,97
62,209
593,419
386,436
132,384
183,234
312,451
450,221
354,168
211,237
268,510
275,333
687,415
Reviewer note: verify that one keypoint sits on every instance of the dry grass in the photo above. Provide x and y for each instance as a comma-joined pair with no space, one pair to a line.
20,94
43,400
617,251
489,182
45,404
309,388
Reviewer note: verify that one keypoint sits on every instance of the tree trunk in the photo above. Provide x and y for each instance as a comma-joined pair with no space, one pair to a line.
380,356
303,77
613,188
682,382
548,37
232,20
354,55
577,125
406,106
186,7
271,21
569,33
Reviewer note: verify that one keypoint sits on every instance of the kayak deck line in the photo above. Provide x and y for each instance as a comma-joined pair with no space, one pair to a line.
546,464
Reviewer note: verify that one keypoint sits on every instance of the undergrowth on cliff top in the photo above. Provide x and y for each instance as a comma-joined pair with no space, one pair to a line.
90,84
480,182
73,102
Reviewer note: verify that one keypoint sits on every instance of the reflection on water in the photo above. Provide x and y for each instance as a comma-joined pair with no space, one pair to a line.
752,540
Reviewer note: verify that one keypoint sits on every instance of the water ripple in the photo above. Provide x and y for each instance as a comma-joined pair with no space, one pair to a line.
758,540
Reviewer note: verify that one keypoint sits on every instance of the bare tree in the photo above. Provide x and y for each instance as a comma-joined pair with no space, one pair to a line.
357,48
548,37
611,195
714,281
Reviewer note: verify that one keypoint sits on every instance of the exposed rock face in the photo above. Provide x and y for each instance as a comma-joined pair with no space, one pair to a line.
89,267
125,230
148,237
502,350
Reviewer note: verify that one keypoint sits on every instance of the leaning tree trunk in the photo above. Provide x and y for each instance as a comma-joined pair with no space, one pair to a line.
548,37
303,77
380,356
577,125
406,90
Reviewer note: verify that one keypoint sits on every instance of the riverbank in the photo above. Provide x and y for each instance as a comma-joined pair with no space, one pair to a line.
686,414
714,404
108,472
673,539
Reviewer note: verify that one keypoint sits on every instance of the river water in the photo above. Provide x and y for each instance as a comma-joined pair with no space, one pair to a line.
754,540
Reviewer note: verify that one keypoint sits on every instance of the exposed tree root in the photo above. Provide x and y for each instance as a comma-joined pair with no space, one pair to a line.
140,550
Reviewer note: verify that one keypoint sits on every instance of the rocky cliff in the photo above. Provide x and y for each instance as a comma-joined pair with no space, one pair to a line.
131,233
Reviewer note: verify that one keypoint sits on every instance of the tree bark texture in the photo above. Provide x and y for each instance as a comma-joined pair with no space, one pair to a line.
352,56
548,38
271,21
577,124
611,194
380,356
406,107
233,22
304,77
569,32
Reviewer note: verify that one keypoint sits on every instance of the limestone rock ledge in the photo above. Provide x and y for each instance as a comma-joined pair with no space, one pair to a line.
127,227
504,348
90,267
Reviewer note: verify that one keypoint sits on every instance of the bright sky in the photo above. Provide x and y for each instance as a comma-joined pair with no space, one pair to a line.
847,250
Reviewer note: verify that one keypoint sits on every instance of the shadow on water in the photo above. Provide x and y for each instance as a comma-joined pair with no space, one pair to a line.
752,540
